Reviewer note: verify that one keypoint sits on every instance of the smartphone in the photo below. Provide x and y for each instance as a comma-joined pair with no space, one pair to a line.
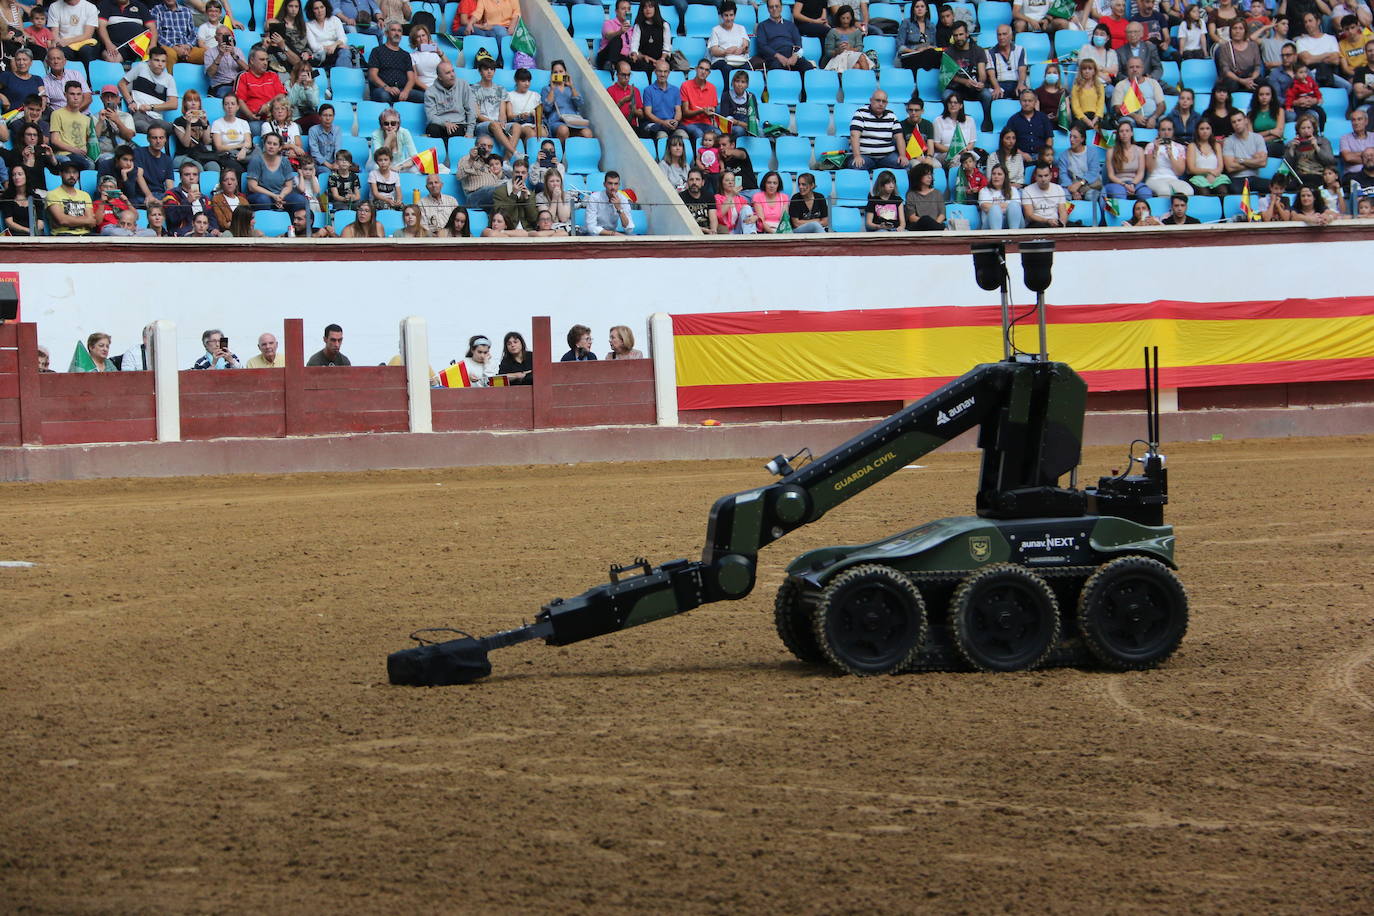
224,343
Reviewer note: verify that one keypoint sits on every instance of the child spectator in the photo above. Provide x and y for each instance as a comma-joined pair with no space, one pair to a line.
38,34
479,362
517,111
344,188
738,104
708,159
308,183
734,216
384,185
1304,89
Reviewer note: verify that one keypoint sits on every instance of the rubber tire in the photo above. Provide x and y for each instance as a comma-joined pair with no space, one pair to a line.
793,624
1030,593
832,619
1143,579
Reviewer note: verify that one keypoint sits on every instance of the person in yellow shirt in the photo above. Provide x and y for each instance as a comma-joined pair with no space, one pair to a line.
1352,41
268,357
495,18
71,130
1087,100
69,208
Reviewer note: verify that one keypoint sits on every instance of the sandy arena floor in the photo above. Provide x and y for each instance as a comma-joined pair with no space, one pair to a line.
194,715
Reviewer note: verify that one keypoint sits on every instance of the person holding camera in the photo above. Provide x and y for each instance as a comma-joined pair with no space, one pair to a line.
224,62
217,354
562,105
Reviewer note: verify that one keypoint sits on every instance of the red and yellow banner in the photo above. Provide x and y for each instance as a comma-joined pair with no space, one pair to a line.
750,359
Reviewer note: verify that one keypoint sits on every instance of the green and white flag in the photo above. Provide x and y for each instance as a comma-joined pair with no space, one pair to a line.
949,69
81,360
522,42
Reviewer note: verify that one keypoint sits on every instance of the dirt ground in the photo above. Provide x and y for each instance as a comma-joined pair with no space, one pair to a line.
194,714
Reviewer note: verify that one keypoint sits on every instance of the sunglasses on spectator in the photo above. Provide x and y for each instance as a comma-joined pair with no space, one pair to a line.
391,123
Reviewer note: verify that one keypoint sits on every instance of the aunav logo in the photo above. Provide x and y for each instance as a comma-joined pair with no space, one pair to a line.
1049,543
941,417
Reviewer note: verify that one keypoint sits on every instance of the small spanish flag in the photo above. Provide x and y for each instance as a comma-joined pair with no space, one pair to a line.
274,8
1134,100
630,195
455,376
499,381
142,43
1245,206
1104,140
12,114
916,146
229,22
722,124
427,161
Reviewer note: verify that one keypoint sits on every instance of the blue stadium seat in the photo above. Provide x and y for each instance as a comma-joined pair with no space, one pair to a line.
357,148
357,40
272,223
700,20
259,14
423,143
343,218
813,119
369,116
1159,206
586,22
852,187
1037,45
1198,75
964,211
458,147
1123,207
747,17
812,49
1068,41
774,113
1083,211
928,85
903,181
242,11
87,181
582,154
1205,209
784,87
893,11
1334,102
794,154
669,15
473,43
899,84
1171,74
346,84
101,73
214,108
858,85
187,76
885,46
1002,110
479,220
651,147
846,219
844,113
822,85
693,47
390,220
1230,206
991,15
563,16
1241,100
760,152
411,183
209,182
985,40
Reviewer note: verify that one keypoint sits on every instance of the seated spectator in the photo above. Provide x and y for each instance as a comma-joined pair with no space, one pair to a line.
544,227
364,225
707,159
514,199
242,224
1272,39
1052,93
499,228
517,363
875,136
1332,192
1244,154
1364,178
19,82
149,90
280,122
232,137
226,199
224,62
303,96
109,202
1178,212
734,216
623,344
478,175
925,206
1151,96
812,18
1141,216
69,208
1304,96
674,164
1034,16
1238,61
450,108
1166,163
770,203
808,210
728,44
435,205
518,111
384,184
916,123
72,131
176,32
916,45
1273,207
843,48
390,72
268,355
362,17
98,346
157,173
185,200
343,186
651,41
884,210
1126,166
1087,99
324,32
1185,116
44,358
1032,127
56,77
1219,113
37,33
1309,208
1080,167
135,359
1268,118
491,106
1043,203
1356,142
1007,68
495,18
199,228
699,100
616,34
580,344
1099,51
411,225
739,105
699,201
952,123
128,177
125,225
736,159
625,96
1115,22
608,210
21,209
395,139
1155,24
562,105
1320,52
1362,80
1309,153
555,200
324,140
308,184
271,181
217,354
256,87
457,226
1194,41
331,354
779,42
480,364
999,202
424,56
1281,75
191,131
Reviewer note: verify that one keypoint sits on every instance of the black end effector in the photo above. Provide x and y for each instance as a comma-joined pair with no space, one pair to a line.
453,661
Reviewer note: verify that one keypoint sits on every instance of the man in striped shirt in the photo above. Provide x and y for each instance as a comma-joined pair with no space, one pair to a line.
875,137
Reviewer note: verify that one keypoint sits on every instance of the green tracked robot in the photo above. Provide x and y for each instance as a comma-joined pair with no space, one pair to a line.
1042,575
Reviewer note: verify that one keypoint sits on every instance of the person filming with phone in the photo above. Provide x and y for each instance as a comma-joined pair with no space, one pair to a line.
217,354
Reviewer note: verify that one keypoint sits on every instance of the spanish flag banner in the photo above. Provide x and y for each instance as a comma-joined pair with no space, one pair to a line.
1247,209
752,359
455,376
229,22
142,43
916,146
1134,100
427,161
274,8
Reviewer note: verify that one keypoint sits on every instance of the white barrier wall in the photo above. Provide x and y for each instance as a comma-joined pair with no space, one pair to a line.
462,298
